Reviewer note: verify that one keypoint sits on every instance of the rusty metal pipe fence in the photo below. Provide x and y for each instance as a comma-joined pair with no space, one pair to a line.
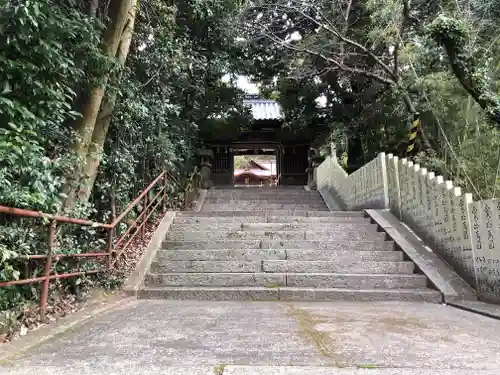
116,245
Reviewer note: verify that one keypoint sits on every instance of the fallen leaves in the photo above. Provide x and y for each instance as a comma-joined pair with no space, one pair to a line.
30,317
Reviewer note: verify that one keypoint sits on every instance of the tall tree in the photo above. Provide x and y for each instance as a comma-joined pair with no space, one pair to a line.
119,29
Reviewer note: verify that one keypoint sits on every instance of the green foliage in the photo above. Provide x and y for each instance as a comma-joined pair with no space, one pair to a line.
45,50
169,93
440,58
445,29
41,53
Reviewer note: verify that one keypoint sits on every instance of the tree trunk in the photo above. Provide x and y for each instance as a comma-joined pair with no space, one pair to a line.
118,14
101,127
463,66
411,108
466,73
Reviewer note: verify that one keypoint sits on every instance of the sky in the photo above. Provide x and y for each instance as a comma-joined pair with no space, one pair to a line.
243,83
251,88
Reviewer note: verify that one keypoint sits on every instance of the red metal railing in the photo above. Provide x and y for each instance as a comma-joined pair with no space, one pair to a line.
115,246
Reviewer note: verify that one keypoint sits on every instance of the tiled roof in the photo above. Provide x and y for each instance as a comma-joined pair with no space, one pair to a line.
264,109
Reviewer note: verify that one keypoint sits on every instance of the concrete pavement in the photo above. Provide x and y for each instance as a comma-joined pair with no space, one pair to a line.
272,338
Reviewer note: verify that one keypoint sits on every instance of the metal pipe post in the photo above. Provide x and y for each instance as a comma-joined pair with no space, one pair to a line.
48,267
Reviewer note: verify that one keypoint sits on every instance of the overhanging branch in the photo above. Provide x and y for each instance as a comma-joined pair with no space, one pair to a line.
333,61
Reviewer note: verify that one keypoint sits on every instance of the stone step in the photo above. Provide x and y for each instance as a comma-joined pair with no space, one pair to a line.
282,266
318,244
210,244
356,281
334,266
270,219
221,244
271,254
304,280
268,280
262,193
275,235
298,204
263,206
222,255
260,199
276,201
288,202
313,227
227,227
264,213
289,294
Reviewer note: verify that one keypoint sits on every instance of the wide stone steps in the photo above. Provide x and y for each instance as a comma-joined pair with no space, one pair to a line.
261,194
280,266
284,235
262,206
228,227
221,244
271,199
273,280
251,200
299,205
243,194
257,198
271,254
269,219
273,213
280,245
290,294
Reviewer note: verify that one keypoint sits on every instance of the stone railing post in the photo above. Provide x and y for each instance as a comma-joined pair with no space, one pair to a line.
310,170
385,183
485,228
206,168
394,191
333,151
315,161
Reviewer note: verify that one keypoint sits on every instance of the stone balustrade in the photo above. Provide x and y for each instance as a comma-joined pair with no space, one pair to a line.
365,188
464,233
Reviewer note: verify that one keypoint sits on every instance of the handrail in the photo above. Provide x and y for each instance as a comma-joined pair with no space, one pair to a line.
42,215
134,203
189,185
115,246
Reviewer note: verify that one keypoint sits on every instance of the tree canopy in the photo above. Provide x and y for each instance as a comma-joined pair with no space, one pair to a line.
376,63
96,98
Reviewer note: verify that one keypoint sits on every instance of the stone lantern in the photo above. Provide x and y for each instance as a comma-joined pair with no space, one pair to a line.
206,168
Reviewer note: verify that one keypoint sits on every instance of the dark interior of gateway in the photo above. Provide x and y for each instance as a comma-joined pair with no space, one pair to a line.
265,136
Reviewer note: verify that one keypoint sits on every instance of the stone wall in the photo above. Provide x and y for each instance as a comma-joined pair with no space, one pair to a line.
485,225
464,233
365,188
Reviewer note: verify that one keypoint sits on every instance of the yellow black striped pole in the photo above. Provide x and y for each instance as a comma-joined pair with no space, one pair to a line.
415,125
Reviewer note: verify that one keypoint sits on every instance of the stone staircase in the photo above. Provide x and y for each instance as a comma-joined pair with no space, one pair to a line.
279,244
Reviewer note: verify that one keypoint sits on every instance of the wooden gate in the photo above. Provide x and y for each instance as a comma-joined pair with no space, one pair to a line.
293,165
222,166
